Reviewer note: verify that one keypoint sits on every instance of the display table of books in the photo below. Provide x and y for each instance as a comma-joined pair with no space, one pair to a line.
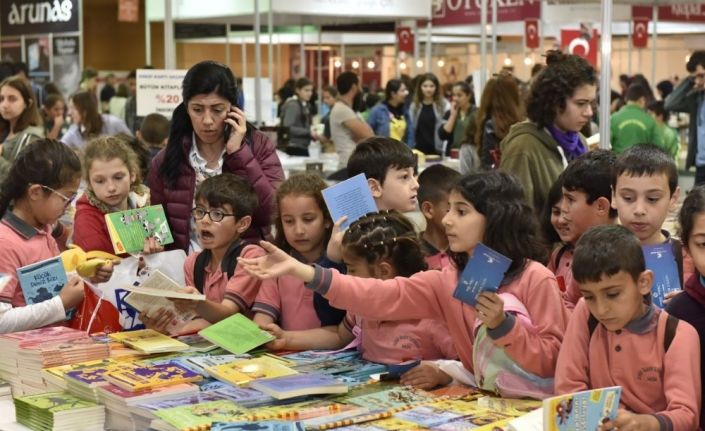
62,379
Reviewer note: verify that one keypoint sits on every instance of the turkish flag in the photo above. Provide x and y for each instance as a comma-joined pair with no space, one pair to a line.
531,32
578,43
405,40
640,32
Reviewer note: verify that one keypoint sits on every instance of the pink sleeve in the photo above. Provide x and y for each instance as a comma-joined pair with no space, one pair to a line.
242,288
681,379
396,299
268,300
572,368
536,349
189,267
9,262
572,294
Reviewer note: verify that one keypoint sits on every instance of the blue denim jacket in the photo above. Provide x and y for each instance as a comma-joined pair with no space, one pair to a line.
379,121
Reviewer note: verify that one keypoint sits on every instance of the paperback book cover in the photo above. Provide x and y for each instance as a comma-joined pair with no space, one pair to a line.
236,334
262,426
483,272
351,198
128,229
660,259
396,397
138,378
42,281
244,371
581,410
202,414
54,402
149,341
300,384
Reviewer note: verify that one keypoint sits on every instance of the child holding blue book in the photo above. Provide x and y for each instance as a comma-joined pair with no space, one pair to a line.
490,208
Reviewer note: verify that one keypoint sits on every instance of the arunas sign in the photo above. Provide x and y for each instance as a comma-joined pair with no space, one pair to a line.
38,17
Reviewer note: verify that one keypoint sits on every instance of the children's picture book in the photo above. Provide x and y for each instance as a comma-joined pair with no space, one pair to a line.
581,410
138,378
262,426
395,397
299,384
128,229
246,370
202,414
42,281
149,341
236,334
58,410
351,198
197,343
659,258
483,272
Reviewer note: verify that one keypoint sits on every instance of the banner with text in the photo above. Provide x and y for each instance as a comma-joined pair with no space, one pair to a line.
675,13
459,12
158,90
21,17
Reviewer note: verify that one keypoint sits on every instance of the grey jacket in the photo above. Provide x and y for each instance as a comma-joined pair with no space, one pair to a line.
415,111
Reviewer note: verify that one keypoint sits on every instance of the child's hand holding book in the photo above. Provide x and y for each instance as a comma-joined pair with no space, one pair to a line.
490,309
186,305
426,375
279,342
158,320
628,421
72,293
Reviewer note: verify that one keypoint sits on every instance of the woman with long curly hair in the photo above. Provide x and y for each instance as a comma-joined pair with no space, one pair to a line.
560,104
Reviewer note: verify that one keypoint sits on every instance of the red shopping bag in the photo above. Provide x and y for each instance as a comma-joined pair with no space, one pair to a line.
95,314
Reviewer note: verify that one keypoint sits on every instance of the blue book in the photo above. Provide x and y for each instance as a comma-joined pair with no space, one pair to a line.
42,281
257,426
298,385
394,371
660,259
351,198
581,410
483,272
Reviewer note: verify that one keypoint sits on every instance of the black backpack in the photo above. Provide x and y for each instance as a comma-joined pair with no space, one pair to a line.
227,265
671,326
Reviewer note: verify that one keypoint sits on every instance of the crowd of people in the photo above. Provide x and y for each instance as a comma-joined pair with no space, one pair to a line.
578,307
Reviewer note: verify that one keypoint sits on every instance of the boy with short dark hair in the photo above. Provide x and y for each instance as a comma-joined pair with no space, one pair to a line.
389,166
154,132
617,337
224,208
587,193
434,184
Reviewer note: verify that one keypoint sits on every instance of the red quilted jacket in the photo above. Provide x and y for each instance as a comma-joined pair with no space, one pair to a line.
256,161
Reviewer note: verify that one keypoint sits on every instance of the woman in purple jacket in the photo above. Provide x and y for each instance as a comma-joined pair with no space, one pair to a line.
209,135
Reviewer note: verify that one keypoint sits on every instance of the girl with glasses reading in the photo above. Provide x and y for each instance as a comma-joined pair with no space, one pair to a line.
40,186
223,212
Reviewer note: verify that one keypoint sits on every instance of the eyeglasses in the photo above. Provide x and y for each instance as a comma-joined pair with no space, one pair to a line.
215,215
67,199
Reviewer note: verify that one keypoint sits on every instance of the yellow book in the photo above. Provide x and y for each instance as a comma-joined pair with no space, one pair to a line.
149,341
246,370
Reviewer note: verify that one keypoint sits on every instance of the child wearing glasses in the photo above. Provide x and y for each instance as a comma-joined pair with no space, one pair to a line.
39,187
112,175
225,205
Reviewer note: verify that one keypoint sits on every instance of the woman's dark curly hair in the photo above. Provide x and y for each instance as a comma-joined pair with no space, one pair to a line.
511,228
555,84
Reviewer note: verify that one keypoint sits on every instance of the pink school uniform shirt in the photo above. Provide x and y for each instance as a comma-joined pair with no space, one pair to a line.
241,288
288,302
429,294
392,342
666,384
563,269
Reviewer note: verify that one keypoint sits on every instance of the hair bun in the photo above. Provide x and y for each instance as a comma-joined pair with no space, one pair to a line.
555,56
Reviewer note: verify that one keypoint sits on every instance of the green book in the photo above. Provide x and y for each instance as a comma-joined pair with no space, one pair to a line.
199,415
128,229
236,334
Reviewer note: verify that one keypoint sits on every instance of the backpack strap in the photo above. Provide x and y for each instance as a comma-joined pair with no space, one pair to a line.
227,265
677,249
670,333
560,254
592,324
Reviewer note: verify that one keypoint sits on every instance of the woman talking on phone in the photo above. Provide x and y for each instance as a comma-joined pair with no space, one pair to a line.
209,135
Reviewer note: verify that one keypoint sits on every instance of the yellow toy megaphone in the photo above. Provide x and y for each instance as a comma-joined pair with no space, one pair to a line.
86,264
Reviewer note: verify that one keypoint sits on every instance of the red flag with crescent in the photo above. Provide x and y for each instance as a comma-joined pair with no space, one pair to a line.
640,32
579,43
405,40
531,30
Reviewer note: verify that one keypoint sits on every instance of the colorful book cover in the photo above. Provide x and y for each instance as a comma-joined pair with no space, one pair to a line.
200,363
483,272
93,376
244,371
427,416
236,334
330,366
299,384
149,341
581,410
394,371
42,281
660,259
201,397
138,378
262,426
160,285
247,397
197,415
313,356
53,402
396,397
128,229
197,343
351,198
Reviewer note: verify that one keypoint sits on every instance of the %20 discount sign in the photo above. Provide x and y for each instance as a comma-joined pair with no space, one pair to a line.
159,90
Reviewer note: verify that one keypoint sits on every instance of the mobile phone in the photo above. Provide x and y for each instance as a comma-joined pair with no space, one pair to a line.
226,132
